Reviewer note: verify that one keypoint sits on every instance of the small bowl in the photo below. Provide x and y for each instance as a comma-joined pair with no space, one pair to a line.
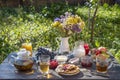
61,59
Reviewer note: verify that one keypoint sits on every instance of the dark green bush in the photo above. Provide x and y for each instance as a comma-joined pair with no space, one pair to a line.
19,25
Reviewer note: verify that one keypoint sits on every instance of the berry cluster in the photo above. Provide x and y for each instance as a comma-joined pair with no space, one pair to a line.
43,51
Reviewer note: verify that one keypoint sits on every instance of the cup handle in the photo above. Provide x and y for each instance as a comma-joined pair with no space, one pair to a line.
110,65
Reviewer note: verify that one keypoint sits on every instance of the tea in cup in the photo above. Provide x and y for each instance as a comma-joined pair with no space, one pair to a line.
102,63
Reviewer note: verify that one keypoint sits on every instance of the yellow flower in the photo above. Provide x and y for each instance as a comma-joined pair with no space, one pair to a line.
68,25
78,18
56,24
71,20
60,25
75,20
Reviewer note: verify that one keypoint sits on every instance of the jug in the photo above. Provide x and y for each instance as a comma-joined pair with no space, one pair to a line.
79,50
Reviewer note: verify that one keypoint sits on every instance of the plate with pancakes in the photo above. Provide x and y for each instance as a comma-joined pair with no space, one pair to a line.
67,69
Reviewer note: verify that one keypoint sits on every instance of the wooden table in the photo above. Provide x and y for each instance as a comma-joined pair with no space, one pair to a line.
8,71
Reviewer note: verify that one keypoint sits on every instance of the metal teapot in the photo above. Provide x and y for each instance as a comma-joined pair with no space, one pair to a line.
22,60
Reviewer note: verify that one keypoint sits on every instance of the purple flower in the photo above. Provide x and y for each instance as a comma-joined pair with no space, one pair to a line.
67,14
75,28
57,19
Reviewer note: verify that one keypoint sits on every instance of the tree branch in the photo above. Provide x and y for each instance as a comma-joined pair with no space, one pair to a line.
93,22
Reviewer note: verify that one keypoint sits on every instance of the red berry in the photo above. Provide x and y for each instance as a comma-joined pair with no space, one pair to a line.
53,64
87,49
98,52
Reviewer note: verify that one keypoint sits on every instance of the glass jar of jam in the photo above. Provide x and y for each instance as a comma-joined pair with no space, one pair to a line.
86,61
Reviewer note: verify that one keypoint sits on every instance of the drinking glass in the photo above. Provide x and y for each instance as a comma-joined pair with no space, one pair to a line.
44,64
102,64
27,46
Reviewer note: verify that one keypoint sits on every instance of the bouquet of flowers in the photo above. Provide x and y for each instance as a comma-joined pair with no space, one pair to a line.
68,24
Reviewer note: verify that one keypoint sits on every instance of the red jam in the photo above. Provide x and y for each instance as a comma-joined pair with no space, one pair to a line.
86,64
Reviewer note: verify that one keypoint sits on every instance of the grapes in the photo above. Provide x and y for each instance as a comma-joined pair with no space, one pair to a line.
43,51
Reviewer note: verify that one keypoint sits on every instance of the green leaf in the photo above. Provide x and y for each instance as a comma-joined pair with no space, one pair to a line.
97,43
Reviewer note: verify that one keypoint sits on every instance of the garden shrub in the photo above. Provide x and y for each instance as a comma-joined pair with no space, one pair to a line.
19,25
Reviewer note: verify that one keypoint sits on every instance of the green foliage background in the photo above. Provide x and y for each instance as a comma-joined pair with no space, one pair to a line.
30,24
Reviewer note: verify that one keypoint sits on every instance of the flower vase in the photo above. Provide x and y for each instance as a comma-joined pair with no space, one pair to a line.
64,45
